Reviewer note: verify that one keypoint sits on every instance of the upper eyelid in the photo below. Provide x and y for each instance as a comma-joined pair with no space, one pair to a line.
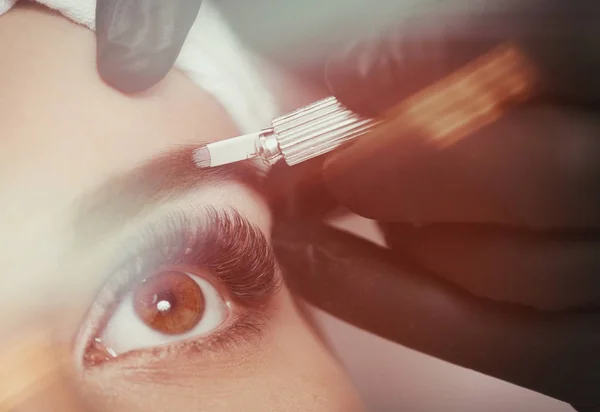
137,231
156,230
89,233
163,178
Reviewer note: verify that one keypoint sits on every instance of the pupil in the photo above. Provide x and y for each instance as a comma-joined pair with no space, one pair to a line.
165,301
163,306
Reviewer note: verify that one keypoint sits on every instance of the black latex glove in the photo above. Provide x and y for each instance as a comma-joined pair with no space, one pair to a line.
504,260
139,40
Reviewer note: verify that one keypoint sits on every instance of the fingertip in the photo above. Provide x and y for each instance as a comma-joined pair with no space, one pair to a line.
138,41
372,75
121,69
367,176
298,191
364,78
342,180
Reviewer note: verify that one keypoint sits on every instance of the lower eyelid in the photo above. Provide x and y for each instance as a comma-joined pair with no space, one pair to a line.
243,333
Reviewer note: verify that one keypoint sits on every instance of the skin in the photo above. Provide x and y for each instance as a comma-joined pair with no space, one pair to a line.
64,133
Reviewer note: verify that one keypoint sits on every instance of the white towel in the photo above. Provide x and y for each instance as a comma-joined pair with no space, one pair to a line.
212,57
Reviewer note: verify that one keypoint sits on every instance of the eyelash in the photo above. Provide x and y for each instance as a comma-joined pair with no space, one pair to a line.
236,253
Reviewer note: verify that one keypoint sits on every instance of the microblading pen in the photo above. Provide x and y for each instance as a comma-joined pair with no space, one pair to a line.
443,113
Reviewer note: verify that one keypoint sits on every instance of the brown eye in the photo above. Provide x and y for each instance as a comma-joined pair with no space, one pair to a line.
170,302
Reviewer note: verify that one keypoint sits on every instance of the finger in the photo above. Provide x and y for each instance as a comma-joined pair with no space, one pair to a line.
555,354
547,272
139,40
590,408
537,166
298,190
560,37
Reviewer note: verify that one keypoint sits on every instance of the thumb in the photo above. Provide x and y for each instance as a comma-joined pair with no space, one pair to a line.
138,41
560,37
367,286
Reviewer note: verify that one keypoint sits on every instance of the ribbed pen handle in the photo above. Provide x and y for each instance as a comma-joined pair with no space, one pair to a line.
317,129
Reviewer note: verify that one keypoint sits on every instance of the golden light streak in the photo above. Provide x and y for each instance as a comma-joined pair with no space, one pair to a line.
29,366
467,100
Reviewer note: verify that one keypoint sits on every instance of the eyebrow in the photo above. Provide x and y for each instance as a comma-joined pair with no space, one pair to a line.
123,197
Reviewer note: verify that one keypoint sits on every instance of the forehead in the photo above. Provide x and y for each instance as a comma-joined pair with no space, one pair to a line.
65,132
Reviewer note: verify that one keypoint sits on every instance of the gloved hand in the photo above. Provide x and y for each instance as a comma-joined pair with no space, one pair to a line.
139,40
494,243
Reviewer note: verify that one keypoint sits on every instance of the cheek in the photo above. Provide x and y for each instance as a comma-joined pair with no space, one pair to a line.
290,370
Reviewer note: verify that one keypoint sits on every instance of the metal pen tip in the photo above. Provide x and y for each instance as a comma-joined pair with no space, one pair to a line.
202,157
227,151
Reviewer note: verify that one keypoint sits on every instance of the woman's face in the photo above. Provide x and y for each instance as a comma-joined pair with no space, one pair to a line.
162,272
